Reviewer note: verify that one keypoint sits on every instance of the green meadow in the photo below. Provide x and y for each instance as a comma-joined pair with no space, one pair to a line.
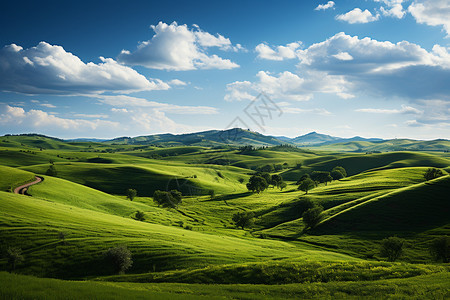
195,250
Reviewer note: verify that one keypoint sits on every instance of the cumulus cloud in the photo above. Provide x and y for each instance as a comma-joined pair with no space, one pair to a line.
128,101
357,16
394,8
49,69
404,110
41,120
288,86
282,52
177,82
432,12
329,4
381,67
176,47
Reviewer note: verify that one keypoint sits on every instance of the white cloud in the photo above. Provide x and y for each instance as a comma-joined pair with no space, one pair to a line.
394,8
128,101
95,116
176,47
282,52
177,82
40,120
48,105
54,71
404,110
343,56
357,16
432,12
119,110
329,4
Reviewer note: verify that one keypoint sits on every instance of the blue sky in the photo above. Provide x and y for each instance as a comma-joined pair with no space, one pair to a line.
375,68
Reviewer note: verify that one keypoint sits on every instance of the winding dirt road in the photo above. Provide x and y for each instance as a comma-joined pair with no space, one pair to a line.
23,188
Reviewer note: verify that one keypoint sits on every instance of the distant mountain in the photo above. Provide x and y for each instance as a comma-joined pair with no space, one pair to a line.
86,140
234,136
313,138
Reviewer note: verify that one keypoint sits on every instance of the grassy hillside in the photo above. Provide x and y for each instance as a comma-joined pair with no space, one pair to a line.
11,178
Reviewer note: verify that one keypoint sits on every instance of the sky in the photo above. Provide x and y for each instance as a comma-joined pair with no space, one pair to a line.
104,69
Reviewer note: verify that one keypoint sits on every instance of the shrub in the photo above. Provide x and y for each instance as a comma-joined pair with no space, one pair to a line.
120,258
14,256
243,219
241,180
140,216
433,173
131,193
211,194
167,199
51,171
312,216
440,249
392,248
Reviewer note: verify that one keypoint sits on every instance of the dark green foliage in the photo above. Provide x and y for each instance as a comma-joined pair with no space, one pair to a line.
266,168
276,180
283,185
440,249
131,193
321,176
14,256
312,216
62,236
433,173
220,175
305,204
243,219
304,176
257,184
140,216
51,171
167,199
338,173
120,258
241,180
211,194
392,248
306,185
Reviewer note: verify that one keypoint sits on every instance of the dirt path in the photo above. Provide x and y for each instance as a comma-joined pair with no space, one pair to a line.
23,188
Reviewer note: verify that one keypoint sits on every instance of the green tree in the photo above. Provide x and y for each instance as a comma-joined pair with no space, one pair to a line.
321,176
257,184
276,180
51,171
338,172
304,176
440,249
211,194
243,219
433,173
283,185
312,216
14,256
120,258
167,199
140,216
131,193
307,185
392,248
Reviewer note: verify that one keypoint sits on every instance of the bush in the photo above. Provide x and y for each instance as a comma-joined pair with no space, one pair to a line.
140,216
243,219
305,204
312,216
338,172
131,193
14,256
392,248
167,199
433,173
51,171
440,249
120,258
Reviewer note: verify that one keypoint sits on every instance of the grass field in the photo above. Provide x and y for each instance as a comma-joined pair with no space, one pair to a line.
196,249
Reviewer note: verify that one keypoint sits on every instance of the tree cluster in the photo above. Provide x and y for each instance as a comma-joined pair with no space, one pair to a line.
309,181
243,219
433,173
167,199
392,248
120,258
261,181
312,215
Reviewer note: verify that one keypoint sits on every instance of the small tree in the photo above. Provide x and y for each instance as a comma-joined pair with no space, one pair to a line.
433,173
131,193
440,249
338,172
167,199
257,184
312,216
62,236
305,204
51,171
276,180
241,180
392,248
306,185
283,185
120,258
304,176
211,194
14,256
140,216
243,219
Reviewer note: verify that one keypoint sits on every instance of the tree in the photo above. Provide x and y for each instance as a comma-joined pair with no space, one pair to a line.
433,173
120,258
338,172
283,185
392,248
312,216
305,204
440,249
306,185
140,216
62,236
131,193
243,219
257,184
211,194
167,199
304,176
276,180
51,171
321,176
14,256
